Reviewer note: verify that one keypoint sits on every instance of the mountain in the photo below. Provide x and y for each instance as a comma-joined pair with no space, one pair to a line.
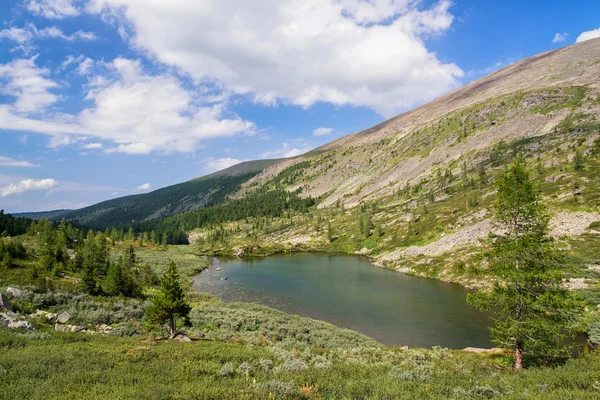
41,214
193,194
413,191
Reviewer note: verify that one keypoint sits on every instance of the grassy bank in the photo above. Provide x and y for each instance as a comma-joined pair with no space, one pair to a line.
60,365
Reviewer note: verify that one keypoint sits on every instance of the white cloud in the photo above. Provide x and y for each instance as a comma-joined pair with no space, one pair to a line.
322,131
139,113
145,186
54,32
560,37
28,84
19,35
92,146
24,140
218,164
345,52
53,9
27,185
588,35
24,37
11,162
286,151
85,66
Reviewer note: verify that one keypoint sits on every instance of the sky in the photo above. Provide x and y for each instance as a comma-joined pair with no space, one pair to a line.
106,98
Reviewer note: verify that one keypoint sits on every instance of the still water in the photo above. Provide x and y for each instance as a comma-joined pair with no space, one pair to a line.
394,308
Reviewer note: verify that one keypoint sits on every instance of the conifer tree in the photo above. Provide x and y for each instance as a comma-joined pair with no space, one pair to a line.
169,305
534,313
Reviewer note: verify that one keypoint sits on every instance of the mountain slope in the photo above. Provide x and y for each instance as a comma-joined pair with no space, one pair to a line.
193,194
424,178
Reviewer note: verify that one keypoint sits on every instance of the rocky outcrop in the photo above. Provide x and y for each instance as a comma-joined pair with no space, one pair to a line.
68,328
63,318
14,292
21,325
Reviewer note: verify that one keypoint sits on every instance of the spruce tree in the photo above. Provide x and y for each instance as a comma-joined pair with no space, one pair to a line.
534,313
169,305
115,282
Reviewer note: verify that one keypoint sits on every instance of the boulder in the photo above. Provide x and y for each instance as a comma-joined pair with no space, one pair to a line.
103,328
182,338
4,303
14,292
5,319
68,328
63,317
44,314
21,324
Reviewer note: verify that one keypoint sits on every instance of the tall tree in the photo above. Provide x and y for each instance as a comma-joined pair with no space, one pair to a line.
169,305
533,311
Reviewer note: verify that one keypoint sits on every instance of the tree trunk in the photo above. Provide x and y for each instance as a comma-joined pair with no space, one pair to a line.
518,357
518,346
171,327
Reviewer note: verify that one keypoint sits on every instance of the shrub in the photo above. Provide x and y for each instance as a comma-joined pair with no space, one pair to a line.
265,365
244,368
293,365
277,388
402,375
227,370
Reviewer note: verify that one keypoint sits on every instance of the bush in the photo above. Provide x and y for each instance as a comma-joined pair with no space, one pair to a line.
293,365
227,370
277,388
265,365
244,368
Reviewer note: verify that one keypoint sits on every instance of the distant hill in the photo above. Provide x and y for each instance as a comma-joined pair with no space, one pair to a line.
54,214
186,196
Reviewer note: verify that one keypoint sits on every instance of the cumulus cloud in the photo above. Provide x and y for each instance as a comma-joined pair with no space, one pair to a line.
54,9
144,186
29,33
218,164
588,35
286,151
322,131
11,162
345,52
138,112
28,83
92,146
560,37
27,185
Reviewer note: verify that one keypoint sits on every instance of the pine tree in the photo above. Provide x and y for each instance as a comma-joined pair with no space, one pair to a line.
114,283
169,304
534,312
578,160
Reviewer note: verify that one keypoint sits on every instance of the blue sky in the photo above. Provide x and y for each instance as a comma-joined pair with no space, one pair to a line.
104,98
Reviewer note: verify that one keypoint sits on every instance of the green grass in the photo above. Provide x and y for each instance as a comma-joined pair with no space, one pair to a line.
60,366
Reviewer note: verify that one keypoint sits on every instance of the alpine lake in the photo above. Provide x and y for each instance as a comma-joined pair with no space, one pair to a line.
350,292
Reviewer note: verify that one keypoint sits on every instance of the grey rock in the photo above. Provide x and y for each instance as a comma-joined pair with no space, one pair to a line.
103,328
4,303
44,314
21,324
64,317
182,338
68,328
14,292
5,319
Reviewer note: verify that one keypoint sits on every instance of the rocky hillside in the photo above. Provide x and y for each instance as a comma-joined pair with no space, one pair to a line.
414,191
423,182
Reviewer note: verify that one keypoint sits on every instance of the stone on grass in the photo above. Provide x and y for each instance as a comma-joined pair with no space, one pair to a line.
14,292
21,324
64,317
